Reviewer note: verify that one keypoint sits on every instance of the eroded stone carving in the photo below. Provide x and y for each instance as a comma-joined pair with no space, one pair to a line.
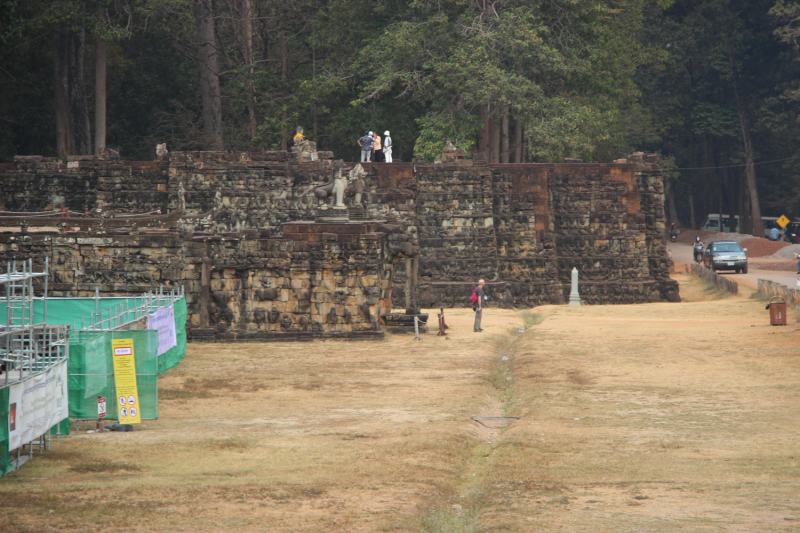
302,146
338,186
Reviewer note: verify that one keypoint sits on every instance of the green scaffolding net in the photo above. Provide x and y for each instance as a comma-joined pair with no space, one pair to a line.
67,310
174,355
91,372
91,367
4,464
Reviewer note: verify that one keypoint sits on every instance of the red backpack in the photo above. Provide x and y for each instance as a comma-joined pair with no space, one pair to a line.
474,297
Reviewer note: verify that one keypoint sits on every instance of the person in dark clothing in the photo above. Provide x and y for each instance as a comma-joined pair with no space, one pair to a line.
479,306
365,143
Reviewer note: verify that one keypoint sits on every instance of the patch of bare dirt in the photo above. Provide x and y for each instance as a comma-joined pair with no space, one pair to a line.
761,247
657,417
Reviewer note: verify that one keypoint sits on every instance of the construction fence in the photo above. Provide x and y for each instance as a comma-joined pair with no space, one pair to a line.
91,368
94,323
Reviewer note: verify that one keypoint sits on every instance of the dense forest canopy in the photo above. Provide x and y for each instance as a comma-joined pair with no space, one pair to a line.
711,85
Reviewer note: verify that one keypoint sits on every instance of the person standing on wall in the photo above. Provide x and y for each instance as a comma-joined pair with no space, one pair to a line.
478,299
365,143
377,154
387,147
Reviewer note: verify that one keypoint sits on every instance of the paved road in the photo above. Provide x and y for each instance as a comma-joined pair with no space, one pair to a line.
682,253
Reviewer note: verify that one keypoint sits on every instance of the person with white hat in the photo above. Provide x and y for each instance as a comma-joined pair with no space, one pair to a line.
387,147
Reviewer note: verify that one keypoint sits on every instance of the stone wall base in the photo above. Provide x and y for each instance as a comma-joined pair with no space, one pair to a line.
199,335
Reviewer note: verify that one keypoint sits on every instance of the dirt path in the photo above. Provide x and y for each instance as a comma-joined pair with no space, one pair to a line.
661,417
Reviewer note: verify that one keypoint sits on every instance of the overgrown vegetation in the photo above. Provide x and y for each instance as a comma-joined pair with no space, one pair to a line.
711,85
443,519
531,319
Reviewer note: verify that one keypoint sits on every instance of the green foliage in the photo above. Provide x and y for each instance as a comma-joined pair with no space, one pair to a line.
437,128
592,79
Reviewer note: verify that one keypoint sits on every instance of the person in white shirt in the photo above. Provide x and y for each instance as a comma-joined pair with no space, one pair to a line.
387,147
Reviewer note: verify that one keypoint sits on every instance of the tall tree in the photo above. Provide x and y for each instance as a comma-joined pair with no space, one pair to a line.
208,62
747,144
73,135
100,79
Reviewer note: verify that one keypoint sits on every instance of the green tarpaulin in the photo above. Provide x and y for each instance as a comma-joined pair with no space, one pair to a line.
4,464
91,372
67,310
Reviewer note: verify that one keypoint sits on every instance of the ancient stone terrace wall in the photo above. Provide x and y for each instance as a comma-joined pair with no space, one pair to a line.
598,230
319,281
520,227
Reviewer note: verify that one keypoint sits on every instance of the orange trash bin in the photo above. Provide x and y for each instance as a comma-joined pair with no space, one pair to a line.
777,311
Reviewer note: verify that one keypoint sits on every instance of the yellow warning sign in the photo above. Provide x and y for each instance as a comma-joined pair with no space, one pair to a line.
125,380
782,221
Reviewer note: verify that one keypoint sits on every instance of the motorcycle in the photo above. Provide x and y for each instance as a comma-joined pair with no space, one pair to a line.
698,249
673,236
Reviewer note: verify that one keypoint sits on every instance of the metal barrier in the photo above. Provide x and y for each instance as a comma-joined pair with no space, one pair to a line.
771,289
710,276
123,314
27,349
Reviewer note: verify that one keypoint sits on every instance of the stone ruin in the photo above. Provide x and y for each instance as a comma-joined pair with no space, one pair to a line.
260,259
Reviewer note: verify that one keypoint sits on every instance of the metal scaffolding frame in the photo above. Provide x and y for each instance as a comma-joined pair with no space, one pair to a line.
28,348
121,315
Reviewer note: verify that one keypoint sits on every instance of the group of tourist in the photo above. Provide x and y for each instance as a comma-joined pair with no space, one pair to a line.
375,150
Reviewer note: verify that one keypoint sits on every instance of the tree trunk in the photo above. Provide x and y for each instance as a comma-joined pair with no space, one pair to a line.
484,136
495,141
506,149
692,218
673,213
284,77
206,43
100,94
517,140
749,169
708,162
244,34
744,206
526,154
733,202
73,134
314,77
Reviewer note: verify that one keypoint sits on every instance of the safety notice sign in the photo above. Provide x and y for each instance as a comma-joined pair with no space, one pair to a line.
125,380
782,221
101,407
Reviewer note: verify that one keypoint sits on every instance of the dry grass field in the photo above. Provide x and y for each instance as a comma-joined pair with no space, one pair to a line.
646,418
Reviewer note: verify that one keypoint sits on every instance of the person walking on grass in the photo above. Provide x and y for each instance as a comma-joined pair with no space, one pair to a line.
365,143
478,305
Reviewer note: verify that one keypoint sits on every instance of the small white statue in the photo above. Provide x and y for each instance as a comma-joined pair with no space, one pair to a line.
161,150
339,186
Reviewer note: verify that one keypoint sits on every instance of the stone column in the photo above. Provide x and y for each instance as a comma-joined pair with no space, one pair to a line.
574,297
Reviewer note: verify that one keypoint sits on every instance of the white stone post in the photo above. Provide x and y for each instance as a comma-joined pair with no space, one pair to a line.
574,297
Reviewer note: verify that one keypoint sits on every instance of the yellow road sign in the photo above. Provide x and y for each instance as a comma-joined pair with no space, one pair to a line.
782,221
125,378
